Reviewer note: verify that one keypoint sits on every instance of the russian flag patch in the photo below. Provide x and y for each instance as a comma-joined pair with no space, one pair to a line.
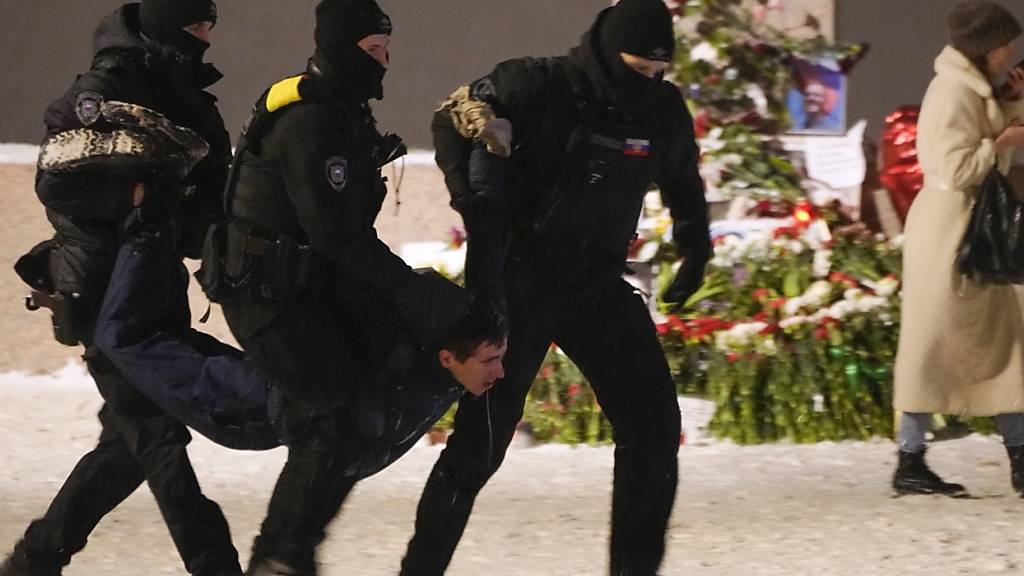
637,147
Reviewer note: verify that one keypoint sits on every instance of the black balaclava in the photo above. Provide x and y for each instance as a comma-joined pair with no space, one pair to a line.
162,22
641,28
340,25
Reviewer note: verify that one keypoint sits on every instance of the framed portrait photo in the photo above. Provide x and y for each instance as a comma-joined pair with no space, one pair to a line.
816,100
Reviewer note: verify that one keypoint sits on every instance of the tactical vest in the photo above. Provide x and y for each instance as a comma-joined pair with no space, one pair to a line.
235,256
576,217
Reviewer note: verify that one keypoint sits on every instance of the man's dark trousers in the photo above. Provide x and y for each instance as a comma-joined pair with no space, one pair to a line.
138,443
608,332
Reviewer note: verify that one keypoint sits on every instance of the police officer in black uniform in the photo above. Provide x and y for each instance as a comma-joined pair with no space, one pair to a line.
151,55
548,234
315,296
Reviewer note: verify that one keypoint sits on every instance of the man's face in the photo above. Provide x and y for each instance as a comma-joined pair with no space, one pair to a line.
815,97
643,66
377,45
481,370
201,30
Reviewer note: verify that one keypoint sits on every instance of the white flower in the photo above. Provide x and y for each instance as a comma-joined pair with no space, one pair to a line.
791,307
731,159
707,53
758,97
822,263
739,336
817,293
819,403
841,309
793,321
887,286
652,202
766,347
853,294
647,252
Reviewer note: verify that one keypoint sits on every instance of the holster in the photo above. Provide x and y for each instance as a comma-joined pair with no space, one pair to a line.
274,270
211,274
35,270
64,315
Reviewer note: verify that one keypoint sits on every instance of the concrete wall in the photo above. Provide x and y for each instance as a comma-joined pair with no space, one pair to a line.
905,38
437,45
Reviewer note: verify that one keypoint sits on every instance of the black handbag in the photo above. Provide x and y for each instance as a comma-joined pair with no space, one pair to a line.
992,249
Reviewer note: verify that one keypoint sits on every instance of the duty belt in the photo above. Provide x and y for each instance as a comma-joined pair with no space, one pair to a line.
274,270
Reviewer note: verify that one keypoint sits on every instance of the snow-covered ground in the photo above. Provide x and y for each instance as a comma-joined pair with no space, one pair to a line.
18,153
782,509
14,153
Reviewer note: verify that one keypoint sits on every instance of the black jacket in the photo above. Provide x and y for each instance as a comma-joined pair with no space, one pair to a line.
627,145
313,176
86,206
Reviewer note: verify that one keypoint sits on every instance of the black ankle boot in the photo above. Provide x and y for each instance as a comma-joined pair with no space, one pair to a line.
1017,468
914,477
273,568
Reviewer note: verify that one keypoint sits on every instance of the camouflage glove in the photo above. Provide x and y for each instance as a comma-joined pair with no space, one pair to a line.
476,119
144,142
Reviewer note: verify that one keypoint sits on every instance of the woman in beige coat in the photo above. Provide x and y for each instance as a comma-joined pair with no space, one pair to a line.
961,348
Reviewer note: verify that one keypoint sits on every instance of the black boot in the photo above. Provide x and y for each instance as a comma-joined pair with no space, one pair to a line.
273,568
1017,468
914,477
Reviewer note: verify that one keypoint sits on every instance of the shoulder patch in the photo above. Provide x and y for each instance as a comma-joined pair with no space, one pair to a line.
88,107
484,89
337,172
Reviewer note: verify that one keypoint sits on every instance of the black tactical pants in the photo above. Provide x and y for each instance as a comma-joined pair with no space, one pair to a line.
609,334
138,443
308,355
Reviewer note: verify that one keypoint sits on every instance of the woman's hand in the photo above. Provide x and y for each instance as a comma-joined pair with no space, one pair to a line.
1013,89
1012,137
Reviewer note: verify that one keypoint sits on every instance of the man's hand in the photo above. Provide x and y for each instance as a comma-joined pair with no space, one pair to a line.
476,119
138,194
686,283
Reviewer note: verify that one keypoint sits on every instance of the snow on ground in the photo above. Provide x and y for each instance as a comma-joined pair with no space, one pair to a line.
765,510
13,153
18,153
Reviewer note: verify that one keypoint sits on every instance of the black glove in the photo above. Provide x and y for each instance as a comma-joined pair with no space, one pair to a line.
686,283
151,230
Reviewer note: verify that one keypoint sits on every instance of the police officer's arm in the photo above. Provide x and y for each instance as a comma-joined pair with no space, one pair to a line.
205,204
478,180
86,193
331,211
682,190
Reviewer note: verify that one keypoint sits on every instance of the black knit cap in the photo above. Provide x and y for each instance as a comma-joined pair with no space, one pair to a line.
641,28
341,23
978,27
162,18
